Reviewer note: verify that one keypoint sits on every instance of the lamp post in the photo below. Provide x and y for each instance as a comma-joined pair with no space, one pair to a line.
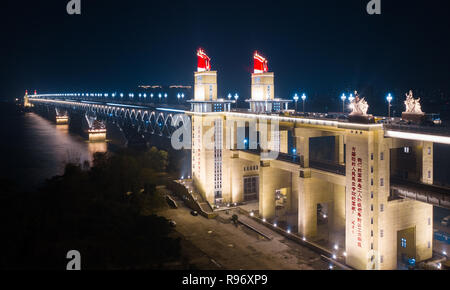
303,99
343,98
389,99
236,97
296,100
350,99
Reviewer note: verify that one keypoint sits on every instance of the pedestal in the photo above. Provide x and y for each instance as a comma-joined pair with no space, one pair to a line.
416,118
364,119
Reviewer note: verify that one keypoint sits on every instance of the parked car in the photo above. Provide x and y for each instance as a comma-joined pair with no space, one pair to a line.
194,213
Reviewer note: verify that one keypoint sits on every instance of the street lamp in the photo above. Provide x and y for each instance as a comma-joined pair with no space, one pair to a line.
236,97
351,98
343,98
296,99
229,96
303,98
389,99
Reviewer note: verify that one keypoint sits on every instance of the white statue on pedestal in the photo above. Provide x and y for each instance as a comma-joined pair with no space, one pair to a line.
412,105
359,106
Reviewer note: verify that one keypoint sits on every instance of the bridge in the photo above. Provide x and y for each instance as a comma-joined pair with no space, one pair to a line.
374,197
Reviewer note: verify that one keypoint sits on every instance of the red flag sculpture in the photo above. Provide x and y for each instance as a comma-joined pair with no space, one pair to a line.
259,64
203,61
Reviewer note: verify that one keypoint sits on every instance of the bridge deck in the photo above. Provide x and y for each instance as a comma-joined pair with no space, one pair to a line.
432,194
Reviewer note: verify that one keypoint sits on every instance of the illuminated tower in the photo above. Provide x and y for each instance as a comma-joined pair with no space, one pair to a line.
208,133
26,99
263,88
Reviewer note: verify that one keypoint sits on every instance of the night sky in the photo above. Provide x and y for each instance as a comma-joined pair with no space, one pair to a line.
320,47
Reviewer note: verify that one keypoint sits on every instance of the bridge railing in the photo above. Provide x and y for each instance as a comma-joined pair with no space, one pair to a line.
437,129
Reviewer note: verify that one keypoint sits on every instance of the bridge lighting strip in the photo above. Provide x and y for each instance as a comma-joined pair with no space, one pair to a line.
129,106
417,136
171,110
88,102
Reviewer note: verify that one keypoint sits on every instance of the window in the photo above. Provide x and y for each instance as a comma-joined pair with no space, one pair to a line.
403,243
371,222
371,181
406,149
429,244
381,233
429,174
371,194
371,169
381,207
381,259
371,233
371,247
251,188
371,156
382,156
381,181
429,221
371,207
429,150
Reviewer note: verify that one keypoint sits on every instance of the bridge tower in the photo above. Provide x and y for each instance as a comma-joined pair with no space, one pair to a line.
208,154
380,229
263,89
26,100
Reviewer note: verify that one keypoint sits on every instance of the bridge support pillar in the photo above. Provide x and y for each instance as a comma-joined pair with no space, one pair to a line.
307,209
237,194
427,163
267,185
339,149
303,150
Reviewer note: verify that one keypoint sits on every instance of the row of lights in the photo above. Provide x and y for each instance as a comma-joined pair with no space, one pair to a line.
131,95
389,98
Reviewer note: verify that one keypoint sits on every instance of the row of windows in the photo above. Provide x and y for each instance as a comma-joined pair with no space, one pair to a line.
251,168
381,156
381,208
381,181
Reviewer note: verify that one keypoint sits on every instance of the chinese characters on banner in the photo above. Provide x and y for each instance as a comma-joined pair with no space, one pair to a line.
356,192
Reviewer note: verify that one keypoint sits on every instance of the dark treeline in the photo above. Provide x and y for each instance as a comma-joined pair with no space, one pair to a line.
106,211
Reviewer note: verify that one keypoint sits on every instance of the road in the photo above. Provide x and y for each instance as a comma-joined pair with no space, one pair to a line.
219,244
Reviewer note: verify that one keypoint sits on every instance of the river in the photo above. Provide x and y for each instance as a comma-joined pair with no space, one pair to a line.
33,148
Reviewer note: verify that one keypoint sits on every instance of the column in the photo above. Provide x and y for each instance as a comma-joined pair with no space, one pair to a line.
339,149
266,191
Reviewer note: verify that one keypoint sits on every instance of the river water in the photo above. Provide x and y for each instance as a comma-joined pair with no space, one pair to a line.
33,148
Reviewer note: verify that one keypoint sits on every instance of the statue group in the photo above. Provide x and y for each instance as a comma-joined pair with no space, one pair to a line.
412,105
359,106
359,109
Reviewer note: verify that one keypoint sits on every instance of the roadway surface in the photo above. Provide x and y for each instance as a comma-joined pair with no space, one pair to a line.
210,244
